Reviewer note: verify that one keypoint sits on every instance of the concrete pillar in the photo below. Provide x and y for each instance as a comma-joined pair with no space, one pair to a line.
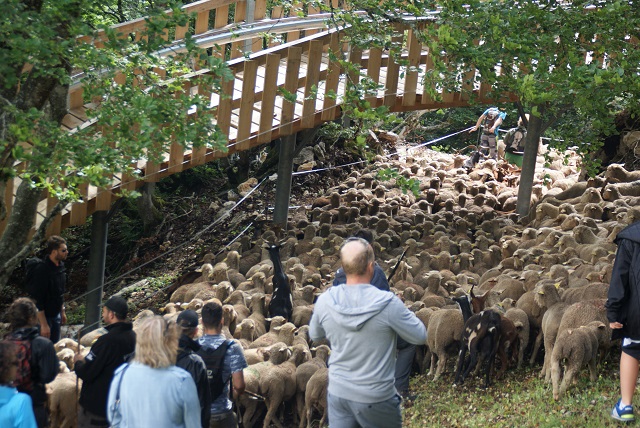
250,17
97,259
283,184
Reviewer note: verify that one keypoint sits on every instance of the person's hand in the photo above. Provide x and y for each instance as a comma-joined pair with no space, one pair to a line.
474,129
615,325
492,130
63,317
45,331
77,357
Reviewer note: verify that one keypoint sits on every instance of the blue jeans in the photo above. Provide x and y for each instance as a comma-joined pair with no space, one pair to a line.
54,326
345,413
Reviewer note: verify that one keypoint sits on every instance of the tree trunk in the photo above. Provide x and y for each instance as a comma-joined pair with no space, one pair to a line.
534,132
149,213
16,232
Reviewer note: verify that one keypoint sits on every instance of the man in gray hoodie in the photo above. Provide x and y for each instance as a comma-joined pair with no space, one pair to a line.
362,324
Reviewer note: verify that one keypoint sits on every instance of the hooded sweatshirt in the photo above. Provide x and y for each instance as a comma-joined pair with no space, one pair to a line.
623,299
15,409
361,323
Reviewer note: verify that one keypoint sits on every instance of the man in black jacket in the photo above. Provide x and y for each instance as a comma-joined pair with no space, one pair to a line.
44,367
192,362
46,286
96,369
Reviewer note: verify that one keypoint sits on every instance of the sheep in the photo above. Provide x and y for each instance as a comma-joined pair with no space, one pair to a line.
278,384
444,333
521,323
579,347
316,397
66,355
304,372
582,313
63,393
89,338
283,333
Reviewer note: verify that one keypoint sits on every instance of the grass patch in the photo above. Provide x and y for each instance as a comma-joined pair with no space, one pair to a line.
520,399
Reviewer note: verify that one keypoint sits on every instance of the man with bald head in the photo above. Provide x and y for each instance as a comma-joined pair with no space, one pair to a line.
362,324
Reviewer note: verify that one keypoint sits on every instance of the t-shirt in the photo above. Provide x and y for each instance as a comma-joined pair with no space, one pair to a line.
234,361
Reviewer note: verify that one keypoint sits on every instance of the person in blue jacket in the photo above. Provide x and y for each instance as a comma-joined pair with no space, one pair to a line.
15,407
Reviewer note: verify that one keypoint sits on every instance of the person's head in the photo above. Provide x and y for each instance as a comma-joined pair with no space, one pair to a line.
8,362
188,323
56,248
114,310
156,342
212,316
357,258
22,313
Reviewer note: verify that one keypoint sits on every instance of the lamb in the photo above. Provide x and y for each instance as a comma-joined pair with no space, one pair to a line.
579,347
521,323
278,384
316,396
304,372
62,396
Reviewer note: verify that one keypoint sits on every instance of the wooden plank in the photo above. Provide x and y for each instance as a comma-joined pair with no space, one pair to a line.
291,87
312,10
296,7
103,199
55,227
79,209
311,87
269,95
202,22
76,99
393,71
259,13
355,59
411,77
329,110
176,156
374,65
224,107
246,104
237,48
181,31
222,17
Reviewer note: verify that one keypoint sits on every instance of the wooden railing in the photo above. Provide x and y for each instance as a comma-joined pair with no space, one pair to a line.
253,109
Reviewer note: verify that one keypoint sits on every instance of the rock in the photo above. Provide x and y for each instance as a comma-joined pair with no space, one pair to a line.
306,166
305,156
245,188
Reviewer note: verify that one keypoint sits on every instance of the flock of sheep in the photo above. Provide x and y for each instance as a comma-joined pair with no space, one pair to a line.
547,277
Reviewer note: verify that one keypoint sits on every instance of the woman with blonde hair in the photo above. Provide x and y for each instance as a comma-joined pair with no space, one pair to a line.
151,391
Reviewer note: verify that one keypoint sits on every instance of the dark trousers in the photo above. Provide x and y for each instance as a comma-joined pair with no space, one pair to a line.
54,326
404,362
86,419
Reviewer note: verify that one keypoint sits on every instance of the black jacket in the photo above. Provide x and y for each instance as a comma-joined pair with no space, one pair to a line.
96,370
44,362
623,300
193,363
46,286
379,279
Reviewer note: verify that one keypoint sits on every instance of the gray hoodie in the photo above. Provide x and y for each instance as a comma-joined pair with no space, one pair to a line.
361,323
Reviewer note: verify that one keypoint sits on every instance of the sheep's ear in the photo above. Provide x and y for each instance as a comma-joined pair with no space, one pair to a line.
314,349
557,285
268,319
277,328
601,326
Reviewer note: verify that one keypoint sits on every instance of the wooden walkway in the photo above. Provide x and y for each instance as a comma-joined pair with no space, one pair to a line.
252,109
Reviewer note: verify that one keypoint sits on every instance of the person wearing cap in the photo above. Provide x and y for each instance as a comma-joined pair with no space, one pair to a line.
192,362
107,354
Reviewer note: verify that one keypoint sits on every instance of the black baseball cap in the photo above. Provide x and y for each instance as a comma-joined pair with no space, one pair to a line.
118,305
188,319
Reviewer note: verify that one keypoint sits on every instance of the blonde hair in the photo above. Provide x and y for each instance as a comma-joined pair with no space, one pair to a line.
156,342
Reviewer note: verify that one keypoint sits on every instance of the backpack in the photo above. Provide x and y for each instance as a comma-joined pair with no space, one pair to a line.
214,361
514,140
24,380
31,266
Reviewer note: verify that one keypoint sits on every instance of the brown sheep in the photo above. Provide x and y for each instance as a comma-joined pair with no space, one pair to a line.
304,372
63,393
316,397
521,323
579,347
444,333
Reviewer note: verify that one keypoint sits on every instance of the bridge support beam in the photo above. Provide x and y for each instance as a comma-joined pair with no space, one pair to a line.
97,259
283,184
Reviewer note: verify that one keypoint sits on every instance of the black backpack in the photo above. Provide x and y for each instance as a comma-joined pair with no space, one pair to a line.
31,266
24,378
214,360
514,140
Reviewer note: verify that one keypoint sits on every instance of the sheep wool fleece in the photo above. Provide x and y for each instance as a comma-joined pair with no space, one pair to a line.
15,409
362,324
623,299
